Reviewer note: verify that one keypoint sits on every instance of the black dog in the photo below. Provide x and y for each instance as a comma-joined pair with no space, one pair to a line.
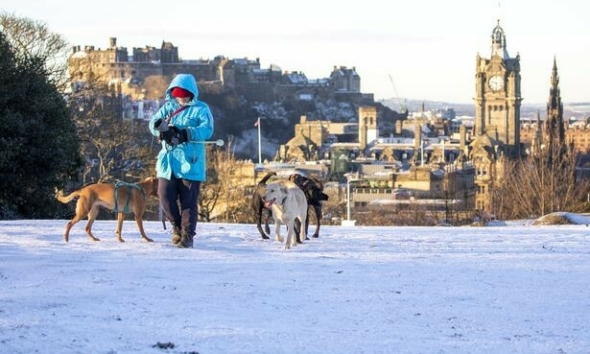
314,192
257,205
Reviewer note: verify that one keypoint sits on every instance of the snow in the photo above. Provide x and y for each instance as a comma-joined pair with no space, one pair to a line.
509,289
562,217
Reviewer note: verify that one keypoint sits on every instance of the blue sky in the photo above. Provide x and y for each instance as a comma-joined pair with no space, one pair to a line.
427,46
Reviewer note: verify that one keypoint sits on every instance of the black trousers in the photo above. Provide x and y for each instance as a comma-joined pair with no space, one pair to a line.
178,198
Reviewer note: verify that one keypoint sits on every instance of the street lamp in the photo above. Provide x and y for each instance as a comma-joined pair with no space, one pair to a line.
258,125
348,222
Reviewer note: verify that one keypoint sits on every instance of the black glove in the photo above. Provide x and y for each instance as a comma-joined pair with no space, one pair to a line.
161,125
174,136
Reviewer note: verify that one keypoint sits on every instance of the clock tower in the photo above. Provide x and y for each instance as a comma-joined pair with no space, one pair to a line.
497,96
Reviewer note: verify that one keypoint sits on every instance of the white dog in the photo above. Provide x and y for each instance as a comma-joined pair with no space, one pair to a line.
288,203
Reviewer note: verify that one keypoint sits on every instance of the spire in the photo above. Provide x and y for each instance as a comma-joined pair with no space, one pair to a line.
539,131
554,76
538,138
554,124
499,42
554,92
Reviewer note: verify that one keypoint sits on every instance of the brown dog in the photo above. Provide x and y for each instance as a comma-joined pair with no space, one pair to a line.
130,198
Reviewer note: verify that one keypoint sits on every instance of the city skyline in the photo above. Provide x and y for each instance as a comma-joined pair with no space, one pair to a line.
427,47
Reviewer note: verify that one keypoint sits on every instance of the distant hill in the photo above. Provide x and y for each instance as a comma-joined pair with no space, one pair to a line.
579,110
235,117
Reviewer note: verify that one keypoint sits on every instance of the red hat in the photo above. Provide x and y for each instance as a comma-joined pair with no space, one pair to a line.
180,92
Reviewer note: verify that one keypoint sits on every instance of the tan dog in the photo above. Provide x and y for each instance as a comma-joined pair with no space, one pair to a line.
314,192
130,198
288,203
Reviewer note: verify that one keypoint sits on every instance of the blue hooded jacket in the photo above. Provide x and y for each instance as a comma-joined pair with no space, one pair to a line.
187,160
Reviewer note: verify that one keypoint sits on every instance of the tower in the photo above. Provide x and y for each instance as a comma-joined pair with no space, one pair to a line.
497,118
497,95
368,129
554,126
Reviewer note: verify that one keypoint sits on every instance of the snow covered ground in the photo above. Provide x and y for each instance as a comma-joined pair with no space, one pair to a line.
508,289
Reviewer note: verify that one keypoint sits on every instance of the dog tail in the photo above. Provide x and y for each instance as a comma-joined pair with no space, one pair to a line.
267,177
66,199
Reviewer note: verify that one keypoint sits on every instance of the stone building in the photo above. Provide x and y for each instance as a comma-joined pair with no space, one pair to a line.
345,79
497,116
136,73
315,140
578,134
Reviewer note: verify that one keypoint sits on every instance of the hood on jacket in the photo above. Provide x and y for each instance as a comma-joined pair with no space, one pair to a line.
185,81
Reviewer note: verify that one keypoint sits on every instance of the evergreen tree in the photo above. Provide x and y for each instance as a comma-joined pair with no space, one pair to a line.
38,141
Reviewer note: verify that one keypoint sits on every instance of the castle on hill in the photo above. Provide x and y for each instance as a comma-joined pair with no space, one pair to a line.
135,73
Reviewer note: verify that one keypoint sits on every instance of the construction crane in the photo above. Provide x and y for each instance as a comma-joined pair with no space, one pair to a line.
402,103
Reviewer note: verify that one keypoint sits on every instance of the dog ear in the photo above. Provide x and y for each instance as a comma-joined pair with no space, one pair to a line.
296,178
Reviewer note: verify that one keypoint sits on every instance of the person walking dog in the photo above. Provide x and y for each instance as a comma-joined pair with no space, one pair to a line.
183,123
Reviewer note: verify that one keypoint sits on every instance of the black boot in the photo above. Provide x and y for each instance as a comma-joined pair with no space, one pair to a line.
186,240
176,235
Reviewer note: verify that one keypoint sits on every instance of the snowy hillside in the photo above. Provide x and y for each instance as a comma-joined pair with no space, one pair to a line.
510,289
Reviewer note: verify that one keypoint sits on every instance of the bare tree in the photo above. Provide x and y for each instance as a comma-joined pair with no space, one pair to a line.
114,148
543,183
233,193
335,207
33,39
155,86
212,189
223,196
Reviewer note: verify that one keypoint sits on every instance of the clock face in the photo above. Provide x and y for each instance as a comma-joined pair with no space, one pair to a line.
496,83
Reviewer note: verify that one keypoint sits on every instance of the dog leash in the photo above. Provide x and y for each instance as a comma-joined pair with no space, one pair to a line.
176,112
169,118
